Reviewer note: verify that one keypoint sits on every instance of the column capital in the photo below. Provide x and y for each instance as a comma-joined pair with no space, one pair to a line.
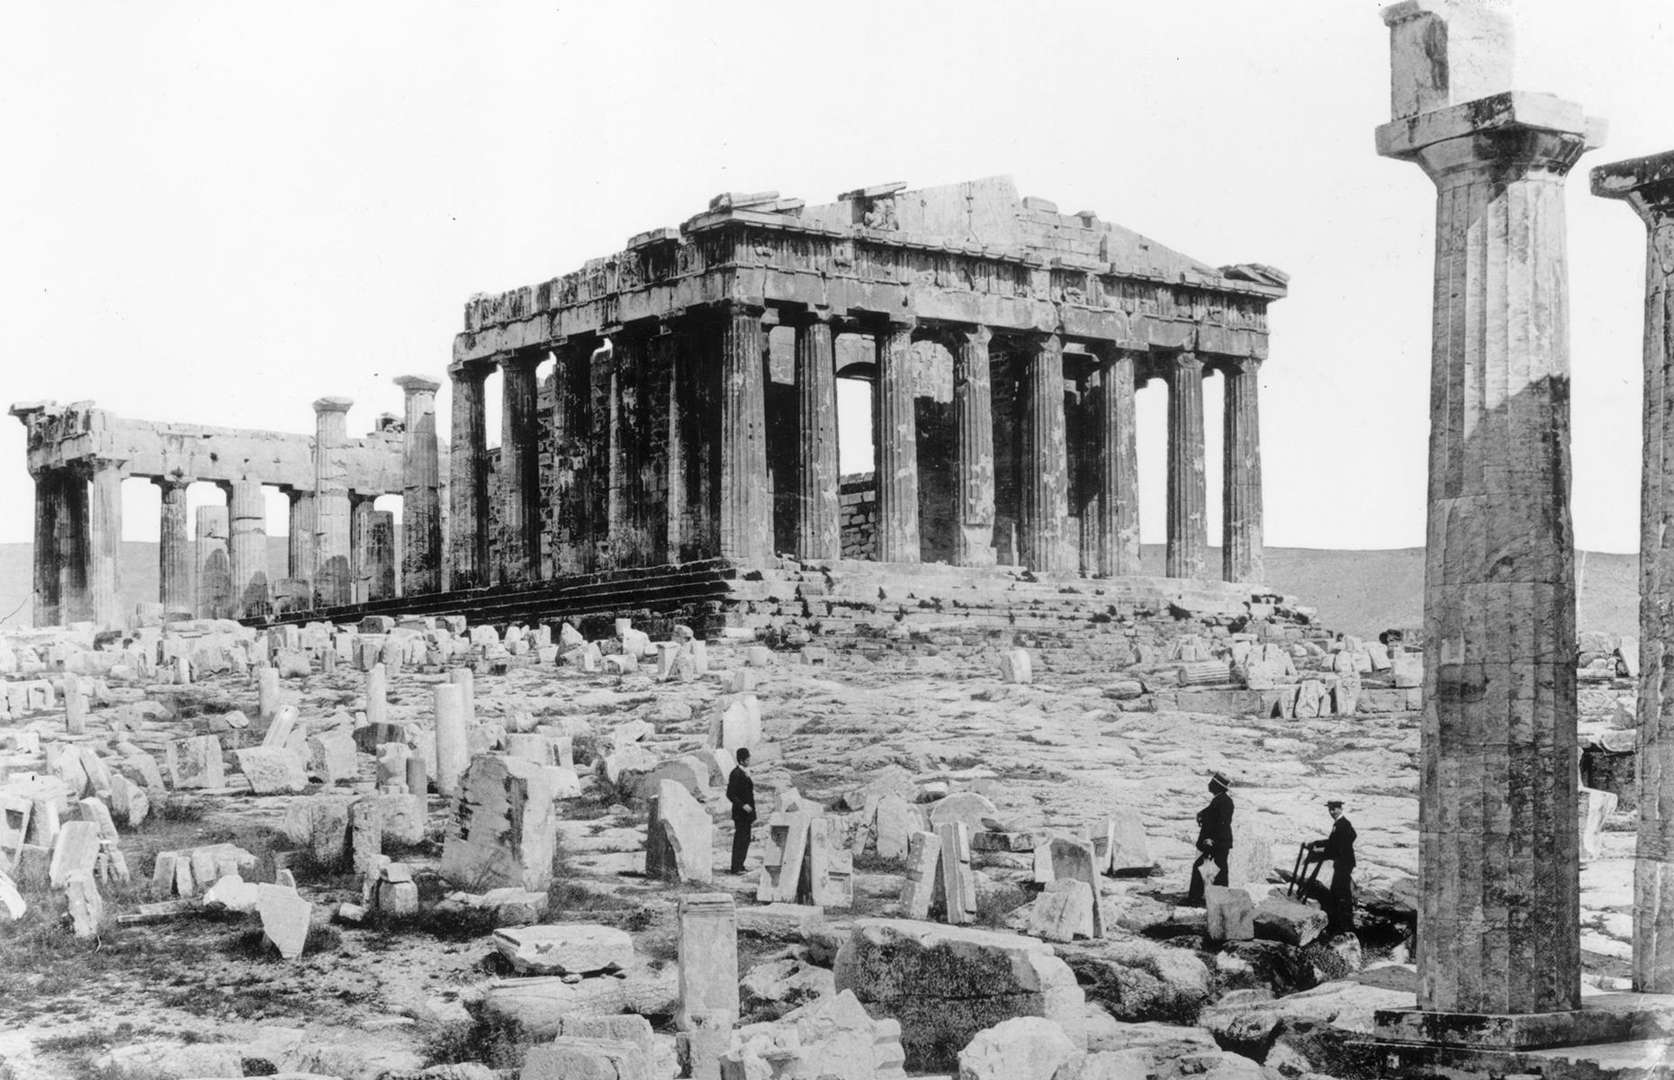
416,384
1517,131
172,483
811,316
1646,184
326,405
522,358
732,307
974,335
1183,362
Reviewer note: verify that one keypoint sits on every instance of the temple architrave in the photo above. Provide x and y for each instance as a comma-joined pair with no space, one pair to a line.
694,392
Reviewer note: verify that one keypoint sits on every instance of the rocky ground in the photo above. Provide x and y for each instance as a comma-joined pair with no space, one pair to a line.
199,994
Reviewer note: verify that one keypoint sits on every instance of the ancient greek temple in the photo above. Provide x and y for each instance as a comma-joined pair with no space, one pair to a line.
691,407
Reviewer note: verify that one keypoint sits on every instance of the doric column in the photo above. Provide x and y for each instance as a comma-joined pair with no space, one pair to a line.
421,478
819,528
627,541
1499,899
1043,501
1117,468
46,596
572,449
214,576
247,548
517,555
361,509
1187,531
745,516
333,554
467,482
174,548
973,419
300,545
380,554
895,446
70,522
1241,557
1647,185
104,545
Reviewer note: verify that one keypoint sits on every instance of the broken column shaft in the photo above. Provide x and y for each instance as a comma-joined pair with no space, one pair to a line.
333,582
1647,185
421,509
1499,913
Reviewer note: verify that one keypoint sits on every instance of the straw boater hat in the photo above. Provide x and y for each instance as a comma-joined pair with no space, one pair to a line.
1219,779
1333,802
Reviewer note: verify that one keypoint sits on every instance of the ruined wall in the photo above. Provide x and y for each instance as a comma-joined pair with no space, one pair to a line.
857,499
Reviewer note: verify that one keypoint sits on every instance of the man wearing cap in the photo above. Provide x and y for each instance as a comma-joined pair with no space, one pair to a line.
1339,848
1214,838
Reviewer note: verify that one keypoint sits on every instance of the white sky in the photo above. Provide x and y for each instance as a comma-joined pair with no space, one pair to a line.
220,212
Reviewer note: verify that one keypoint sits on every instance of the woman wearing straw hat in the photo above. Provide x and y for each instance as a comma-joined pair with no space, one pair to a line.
1214,838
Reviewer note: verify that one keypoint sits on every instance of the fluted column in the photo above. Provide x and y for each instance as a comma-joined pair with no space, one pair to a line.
628,541
573,454
1499,899
380,554
1241,552
333,544
1647,185
517,556
973,419
895,446
213,589
70,520
174,548
1117,528
819,528
104,545
467,482
1044,474
421,478
247,548
299,547
361,509
47,611
746,518
1187,531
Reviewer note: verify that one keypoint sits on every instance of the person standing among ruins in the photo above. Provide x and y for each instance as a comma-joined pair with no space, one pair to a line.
741,793
1339,849
1214,838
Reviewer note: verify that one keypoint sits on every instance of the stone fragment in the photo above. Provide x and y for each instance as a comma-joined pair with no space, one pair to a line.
956,879
966,807
1289,921
1073,859
945,984
194,763
1231,913
1594,808
831,1038
366,836
1063,911
1408,668
680,837
504,830
332,757
285,918
1127,849
708,961
920,887
232,893
1022,1048
87,907
452,753
571,1057
272,770
565,948
75,851
1442,52
894,823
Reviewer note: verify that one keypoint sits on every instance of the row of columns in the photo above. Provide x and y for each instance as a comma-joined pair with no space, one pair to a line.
599,466
338,541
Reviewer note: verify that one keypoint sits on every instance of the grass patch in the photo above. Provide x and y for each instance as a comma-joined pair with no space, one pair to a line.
994,905
498,1044
870,862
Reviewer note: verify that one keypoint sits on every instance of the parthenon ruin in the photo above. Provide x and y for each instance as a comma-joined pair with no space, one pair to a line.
690,414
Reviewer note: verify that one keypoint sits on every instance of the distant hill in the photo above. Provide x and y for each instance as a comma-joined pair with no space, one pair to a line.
1360,592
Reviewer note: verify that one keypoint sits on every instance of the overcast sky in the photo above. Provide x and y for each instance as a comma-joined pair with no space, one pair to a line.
219,212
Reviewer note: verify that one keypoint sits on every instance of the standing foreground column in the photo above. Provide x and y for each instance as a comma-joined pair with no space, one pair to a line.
46,597
360,546
1499,912
174,548
300,546
70,521
247,548
333,579
895,449
973,420
104,545
819,528
1647,185
421,509
746,518
1043,472
1241,552
1118,466
380,555
516,558
467,483
1188,537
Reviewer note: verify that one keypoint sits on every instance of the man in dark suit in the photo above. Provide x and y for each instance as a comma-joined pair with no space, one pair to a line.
741,793
1339,849
1214,838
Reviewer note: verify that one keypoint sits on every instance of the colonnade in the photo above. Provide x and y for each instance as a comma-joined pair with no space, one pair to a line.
660,450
